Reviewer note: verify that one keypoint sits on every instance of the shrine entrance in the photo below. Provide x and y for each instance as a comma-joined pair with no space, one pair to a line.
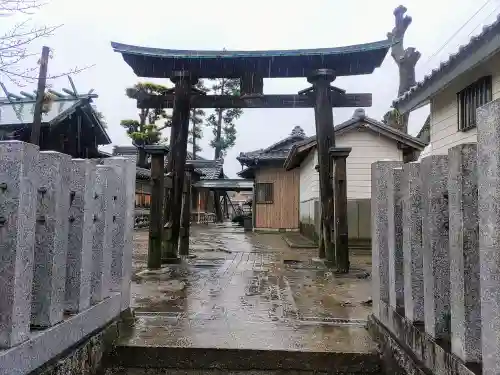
319,66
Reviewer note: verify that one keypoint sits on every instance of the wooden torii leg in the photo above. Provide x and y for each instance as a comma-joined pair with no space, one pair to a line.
321,90
156,215
180,118
339,156
186,214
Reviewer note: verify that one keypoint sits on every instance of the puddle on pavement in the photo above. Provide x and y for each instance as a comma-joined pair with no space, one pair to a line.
255,293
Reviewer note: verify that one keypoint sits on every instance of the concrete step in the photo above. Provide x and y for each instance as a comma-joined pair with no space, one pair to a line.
132,360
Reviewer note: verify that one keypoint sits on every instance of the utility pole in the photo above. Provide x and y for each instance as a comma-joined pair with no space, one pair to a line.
40,92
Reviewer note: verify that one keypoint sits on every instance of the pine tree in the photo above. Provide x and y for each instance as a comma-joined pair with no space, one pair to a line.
222,121
197,119
146,131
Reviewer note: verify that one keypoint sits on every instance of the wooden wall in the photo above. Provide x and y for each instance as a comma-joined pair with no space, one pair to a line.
283,213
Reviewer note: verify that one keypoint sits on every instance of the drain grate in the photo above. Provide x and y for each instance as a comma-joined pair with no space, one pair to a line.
292,261
332,321
207,263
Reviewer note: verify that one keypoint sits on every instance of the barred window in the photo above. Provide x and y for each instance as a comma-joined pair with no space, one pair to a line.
264,192
470,99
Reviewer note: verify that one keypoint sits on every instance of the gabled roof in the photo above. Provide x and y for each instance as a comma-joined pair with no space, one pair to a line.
17,111
276,151
470,55
300,149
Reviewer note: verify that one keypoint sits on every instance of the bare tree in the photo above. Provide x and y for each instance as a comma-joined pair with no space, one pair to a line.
14,43
406,59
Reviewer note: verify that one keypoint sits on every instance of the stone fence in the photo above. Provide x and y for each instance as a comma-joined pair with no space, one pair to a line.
436,256
66,251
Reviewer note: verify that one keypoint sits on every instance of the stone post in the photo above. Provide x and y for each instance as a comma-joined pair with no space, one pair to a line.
129,180
380,232
81,231
488,167
105,188
123,197
118,236
51,239
395,240
412,243
465,295
435,246
19,174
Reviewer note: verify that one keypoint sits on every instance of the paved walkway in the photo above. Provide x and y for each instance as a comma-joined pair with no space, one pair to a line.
249,291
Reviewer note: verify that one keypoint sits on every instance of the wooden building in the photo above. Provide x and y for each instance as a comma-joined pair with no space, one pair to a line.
202,199
276,192
70,123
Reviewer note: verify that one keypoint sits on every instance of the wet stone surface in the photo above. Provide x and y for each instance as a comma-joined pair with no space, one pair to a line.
249,291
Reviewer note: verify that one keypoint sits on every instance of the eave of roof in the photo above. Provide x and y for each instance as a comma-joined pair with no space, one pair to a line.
469,56
207,169
247,172
226,184
300,150
161,63
269,154
77,103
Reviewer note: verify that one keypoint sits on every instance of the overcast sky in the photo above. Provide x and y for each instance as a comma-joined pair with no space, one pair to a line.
89,27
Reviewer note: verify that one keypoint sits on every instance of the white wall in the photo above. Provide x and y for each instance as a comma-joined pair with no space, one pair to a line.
367,147
444,116
309,179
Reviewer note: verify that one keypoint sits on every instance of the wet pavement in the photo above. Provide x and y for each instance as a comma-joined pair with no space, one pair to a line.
249,291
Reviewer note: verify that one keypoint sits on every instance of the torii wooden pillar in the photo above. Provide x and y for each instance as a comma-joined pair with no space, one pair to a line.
333,195
183,93
157,153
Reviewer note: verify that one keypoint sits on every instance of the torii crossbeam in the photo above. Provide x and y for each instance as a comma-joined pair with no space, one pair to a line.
320,66
254,101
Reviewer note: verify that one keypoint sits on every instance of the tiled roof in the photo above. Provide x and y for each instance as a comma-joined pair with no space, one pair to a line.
358,119
213,172
209,171
464,51
276,151
142,172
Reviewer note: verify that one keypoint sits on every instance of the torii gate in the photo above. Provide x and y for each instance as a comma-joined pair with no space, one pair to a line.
319,66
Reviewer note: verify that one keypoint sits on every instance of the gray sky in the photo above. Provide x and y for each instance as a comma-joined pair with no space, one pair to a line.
90,26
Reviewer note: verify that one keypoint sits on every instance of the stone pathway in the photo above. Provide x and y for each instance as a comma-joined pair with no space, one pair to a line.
249,291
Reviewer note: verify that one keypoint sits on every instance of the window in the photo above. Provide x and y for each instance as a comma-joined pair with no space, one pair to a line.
264,192
470,99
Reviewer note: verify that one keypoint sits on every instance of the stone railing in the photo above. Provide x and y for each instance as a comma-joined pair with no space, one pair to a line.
436,255
66,250
203,217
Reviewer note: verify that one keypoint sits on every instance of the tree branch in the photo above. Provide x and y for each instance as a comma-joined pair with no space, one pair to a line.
10,7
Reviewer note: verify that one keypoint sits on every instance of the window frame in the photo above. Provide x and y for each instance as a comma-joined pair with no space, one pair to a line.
470,99
260,185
